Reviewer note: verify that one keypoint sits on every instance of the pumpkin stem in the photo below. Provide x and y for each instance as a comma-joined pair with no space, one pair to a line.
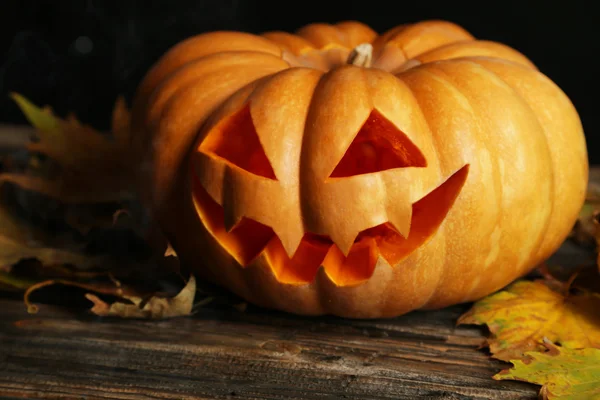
361,55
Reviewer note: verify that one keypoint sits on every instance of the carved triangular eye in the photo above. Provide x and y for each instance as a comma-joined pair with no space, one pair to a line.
236,141
378,146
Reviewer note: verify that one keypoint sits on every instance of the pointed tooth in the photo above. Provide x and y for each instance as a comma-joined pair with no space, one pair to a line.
290,239
401,217
344,240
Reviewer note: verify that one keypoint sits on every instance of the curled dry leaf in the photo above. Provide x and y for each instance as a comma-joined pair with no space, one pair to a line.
520,316
142,293
98,287
565,374
92,166
152,308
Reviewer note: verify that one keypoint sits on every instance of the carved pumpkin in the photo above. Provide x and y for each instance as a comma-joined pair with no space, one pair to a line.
338,171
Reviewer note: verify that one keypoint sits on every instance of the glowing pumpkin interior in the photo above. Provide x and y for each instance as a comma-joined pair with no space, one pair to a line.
378,146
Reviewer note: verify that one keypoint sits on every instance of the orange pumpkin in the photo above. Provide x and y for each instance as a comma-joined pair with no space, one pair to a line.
337,171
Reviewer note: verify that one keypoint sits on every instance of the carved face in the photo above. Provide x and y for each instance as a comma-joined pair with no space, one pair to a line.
310,195
409,165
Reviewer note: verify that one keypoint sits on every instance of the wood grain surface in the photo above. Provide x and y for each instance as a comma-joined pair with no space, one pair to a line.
222,353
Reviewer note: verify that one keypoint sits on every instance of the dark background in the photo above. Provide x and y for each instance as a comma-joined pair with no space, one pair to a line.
80,55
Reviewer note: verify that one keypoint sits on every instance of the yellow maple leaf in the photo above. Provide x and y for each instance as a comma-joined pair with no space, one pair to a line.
92,166
520,316
565,374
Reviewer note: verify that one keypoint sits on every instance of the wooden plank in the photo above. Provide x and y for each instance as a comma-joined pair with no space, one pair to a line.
258,354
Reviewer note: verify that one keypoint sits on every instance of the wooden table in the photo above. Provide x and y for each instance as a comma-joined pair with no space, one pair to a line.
223,353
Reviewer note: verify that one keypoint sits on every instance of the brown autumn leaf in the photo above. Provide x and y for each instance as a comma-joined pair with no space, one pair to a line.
565,374
112,288
20,240
154,307
520,316
584,276
585,230
32,252
90,166
134,296
593,189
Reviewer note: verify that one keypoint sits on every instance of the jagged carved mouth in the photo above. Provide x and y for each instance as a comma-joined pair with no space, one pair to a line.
249,239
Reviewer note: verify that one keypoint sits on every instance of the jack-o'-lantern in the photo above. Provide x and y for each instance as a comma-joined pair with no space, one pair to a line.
338,171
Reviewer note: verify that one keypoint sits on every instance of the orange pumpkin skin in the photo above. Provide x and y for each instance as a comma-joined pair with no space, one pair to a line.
444,171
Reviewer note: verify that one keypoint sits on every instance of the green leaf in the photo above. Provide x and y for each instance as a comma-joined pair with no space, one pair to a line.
565,374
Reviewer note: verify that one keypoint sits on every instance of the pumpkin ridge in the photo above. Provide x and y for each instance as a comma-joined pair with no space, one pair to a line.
188,50
279,38
346,27
302,160
476,46
442,75
497,182
156,105
440,172
565,181
315,34
452,31
545,135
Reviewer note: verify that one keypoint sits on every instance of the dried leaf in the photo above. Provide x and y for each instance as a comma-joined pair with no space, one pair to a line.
20,240
92,166
585,276
98,287
170,251
565,374
585,230
82,176
153,308
527,311
593,189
